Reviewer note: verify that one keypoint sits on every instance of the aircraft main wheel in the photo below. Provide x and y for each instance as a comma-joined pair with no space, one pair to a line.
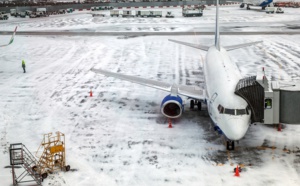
199,105
192,104
230,145
242,5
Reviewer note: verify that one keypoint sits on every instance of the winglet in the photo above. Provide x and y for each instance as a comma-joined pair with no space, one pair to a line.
11,39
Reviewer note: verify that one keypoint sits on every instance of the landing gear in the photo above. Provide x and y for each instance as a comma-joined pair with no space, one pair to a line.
248,7
263,8
195,102
192,104
199,105
230,145
242,5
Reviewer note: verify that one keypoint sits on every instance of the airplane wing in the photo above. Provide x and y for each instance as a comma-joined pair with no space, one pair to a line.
233,47
11,39
189,91
201,47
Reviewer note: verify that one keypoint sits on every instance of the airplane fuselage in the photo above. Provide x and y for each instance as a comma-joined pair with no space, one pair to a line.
227,110
262,3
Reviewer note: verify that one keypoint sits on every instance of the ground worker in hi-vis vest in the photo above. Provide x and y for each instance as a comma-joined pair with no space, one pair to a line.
23,65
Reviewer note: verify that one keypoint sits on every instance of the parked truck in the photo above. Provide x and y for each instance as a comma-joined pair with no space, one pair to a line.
13,12
192,12
156,13
142,13
114,13
3,16
127,13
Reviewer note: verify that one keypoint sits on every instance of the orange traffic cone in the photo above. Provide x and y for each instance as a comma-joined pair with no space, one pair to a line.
237,171
279,127
170,123
91,93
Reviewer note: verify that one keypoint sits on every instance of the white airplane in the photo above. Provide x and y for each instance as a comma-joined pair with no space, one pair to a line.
262,3
229,112
11,39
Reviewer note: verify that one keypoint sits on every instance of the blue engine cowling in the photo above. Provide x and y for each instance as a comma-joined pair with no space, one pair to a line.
172,106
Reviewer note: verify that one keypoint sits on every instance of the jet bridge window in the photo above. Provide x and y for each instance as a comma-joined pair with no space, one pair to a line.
268,103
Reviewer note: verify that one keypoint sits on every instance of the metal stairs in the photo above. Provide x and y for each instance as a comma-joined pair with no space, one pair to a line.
20,155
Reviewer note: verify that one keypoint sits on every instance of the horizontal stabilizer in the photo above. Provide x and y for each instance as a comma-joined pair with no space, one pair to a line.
201,47
233,47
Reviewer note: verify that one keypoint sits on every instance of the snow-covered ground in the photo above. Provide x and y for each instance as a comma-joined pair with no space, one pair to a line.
233,19
118,136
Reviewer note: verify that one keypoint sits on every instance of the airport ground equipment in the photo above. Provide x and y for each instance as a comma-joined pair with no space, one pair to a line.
275,102
169,15
54,156
21,156
13,12
114,13
127,13
155,13
192,12
3,16
272,10
148,13
98,15
142,13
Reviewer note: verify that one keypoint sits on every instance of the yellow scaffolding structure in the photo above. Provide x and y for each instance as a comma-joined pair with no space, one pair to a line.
54,155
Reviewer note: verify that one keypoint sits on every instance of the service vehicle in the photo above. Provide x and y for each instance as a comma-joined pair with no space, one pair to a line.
192,12
114,13
23,14
156,13
61,11
13,12
70,10
3,16
41,10
28,12
98,15
127,13
169,15
272,10
142,13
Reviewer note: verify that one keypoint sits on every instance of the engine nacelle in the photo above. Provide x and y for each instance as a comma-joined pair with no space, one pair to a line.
172,106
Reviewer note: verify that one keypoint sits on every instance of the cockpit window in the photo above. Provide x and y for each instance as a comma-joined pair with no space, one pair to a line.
229,111
223,110
241,111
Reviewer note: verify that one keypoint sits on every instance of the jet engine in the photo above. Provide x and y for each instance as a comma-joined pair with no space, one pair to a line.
172,106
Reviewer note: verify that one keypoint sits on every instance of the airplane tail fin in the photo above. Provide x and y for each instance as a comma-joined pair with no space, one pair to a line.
217,38
11,39
217,29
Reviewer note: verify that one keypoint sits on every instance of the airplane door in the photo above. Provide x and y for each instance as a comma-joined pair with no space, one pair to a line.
211,101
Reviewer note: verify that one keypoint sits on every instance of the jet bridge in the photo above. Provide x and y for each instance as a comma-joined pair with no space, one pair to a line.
271,102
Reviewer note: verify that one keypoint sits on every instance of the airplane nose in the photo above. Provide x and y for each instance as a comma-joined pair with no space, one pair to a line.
238,127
